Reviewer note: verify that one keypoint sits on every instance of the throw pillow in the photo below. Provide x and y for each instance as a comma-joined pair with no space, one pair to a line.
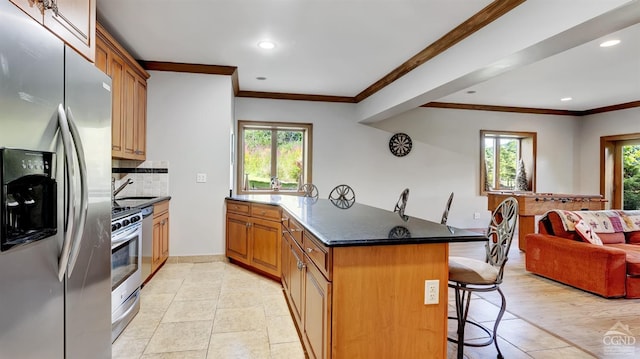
587,234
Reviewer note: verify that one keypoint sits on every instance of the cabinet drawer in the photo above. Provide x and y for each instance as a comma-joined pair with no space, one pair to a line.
296,231
267,212
160,208
318,254
285,219
238,207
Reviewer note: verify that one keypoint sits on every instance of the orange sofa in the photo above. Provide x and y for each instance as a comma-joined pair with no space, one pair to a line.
611,270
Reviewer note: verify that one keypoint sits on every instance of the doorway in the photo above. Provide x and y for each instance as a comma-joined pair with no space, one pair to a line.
620,170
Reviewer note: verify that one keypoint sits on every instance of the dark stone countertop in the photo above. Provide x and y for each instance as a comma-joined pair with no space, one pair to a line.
139,202
361,225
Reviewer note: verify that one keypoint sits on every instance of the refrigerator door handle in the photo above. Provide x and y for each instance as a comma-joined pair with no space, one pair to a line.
63,125
84,192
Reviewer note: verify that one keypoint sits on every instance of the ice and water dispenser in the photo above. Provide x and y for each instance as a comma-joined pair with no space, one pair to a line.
28,210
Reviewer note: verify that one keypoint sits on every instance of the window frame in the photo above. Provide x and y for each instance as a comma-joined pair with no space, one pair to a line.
307,129
528,158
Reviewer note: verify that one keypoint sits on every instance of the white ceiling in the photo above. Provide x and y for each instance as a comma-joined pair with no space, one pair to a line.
341,47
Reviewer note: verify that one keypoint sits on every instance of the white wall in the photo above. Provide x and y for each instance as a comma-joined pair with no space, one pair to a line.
189,117
592,128
446,158
445,155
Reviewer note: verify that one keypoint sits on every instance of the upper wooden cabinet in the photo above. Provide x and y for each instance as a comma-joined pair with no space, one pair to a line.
129,97
74,21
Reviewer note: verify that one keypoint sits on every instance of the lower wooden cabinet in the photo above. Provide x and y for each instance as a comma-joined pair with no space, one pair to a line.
307,290
293,276
160,251
347,302
317,313
253,236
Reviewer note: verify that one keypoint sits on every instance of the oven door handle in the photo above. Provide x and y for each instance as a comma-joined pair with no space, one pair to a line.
133,300
63,125
84,193
128,234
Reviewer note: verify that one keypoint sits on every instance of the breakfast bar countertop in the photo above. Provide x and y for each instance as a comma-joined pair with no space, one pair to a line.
361,225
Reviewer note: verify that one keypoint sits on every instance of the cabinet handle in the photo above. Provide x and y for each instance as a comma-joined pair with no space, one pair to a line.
284,219
309,250
301,265
49,4
263,213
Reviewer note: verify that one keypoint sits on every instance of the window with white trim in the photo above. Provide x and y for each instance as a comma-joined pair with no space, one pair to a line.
507,161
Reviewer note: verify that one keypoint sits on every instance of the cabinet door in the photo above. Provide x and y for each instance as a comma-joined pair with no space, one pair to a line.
156,255
102,57
74,21
296,282
116,71
238,237
317,312
265,246
164,242
129,113
140,119
284,258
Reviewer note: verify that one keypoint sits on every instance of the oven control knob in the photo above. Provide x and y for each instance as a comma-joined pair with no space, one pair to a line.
114,227
126,222
135,219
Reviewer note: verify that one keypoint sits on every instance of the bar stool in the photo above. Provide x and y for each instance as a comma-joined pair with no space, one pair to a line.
467,275
309,190
402,204
342,196
445,214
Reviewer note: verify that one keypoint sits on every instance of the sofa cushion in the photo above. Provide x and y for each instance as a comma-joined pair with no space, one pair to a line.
612,238
587,234
557,227
633,257
633,237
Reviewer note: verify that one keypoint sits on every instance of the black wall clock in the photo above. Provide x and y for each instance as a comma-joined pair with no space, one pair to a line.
400,144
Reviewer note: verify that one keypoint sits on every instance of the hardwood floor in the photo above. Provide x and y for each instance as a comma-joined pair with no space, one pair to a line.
571,314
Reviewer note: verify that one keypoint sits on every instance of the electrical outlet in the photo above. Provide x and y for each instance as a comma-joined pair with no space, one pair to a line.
476,215
431,291
201,177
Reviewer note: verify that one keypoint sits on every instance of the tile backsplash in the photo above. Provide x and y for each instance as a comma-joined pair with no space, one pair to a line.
150,178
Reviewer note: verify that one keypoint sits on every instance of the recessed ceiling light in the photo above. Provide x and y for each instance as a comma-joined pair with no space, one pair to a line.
565,99
261,78
267,45
471,91
610,43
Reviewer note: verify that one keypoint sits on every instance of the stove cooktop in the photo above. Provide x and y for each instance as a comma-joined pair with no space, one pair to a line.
118,212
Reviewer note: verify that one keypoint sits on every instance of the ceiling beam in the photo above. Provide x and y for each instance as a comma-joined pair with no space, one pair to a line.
481,19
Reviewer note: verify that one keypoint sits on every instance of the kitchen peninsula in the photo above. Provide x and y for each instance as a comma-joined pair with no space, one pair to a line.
354,278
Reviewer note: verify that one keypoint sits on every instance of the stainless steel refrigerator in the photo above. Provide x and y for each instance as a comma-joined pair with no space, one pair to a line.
55,146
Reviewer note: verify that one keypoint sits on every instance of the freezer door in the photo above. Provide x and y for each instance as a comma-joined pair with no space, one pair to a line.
31,87
88,284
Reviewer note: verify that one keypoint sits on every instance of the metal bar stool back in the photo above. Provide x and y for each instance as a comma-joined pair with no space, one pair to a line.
467,275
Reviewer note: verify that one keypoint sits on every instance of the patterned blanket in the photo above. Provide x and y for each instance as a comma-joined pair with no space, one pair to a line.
608,221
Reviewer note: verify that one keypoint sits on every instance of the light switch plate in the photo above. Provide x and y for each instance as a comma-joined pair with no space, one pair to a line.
201,177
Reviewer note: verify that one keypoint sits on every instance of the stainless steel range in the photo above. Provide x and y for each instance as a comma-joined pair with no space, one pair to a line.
126,264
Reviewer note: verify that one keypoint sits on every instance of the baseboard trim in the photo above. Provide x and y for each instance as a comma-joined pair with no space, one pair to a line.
198,259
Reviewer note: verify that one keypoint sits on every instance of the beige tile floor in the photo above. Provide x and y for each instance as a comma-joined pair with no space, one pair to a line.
219,310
